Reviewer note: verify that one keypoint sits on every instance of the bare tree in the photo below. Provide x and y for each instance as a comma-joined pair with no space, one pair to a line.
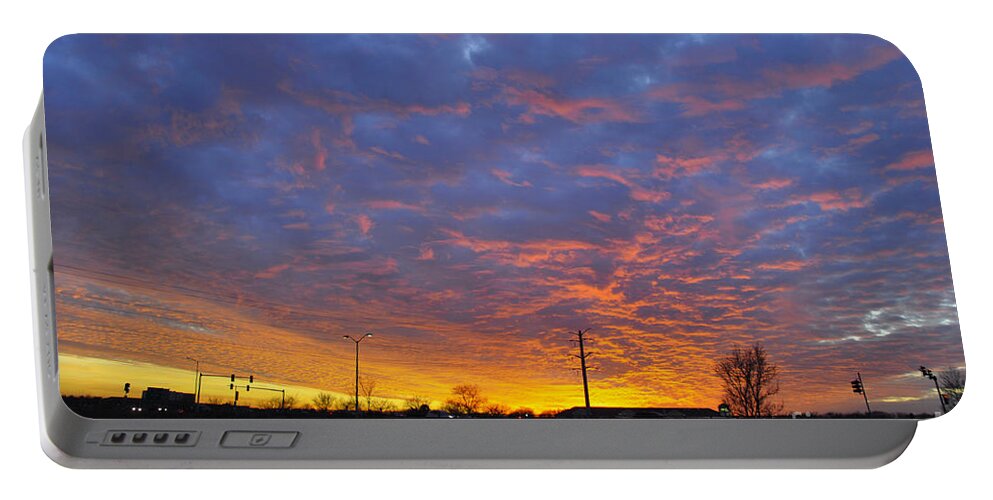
496,410
750,381
383,405
466,399
416,403
290,402
368,388
324,402
275,403
280,403
522,412
952,382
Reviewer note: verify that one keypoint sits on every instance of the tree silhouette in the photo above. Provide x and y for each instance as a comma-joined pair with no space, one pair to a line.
496,410
368,388
522,412
750,381
290,403
952,382
466,400
415,403
324,402
279,403
383,405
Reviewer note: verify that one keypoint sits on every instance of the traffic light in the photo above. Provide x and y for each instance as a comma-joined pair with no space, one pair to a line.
251,379
232,377
248,388
231,386
857,386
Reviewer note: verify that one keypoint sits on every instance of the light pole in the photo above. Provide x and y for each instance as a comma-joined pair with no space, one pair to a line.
196,375
929,374
357,340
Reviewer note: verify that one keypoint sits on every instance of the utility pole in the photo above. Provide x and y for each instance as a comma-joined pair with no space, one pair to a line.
580,339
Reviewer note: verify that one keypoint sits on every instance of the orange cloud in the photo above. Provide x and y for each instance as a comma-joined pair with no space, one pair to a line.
681,225
833,200
693,105
505,177
223,119
393,205
913,161
787,265
388,154
826,75
728,94
340,103
272,272
773,184
365,224
864,139
637,192
602,217
320,152
519,254
427,253
672,167
584,110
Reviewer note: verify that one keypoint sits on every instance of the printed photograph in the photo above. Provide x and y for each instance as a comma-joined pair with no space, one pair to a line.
496,226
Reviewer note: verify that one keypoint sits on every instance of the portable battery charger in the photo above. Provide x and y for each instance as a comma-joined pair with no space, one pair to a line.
486,251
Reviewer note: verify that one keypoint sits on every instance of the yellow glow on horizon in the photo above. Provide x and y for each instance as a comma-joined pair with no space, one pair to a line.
89,376
101,349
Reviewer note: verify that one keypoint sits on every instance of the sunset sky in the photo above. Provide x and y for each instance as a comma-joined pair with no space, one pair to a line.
246,201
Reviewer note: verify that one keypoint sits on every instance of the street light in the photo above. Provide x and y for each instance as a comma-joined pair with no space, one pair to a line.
929,374
357,340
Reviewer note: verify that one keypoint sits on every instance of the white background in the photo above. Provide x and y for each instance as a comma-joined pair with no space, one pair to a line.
948,44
